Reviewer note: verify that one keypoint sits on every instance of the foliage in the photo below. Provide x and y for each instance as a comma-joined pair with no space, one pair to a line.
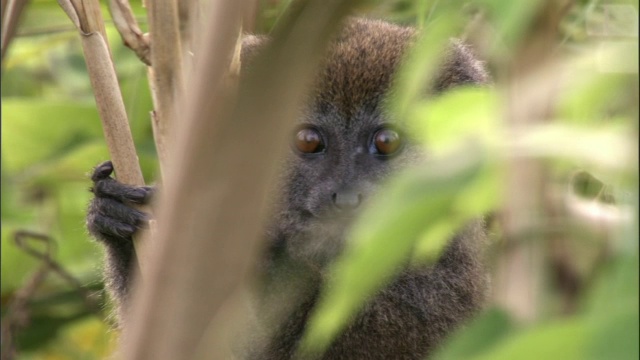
586,131
51,138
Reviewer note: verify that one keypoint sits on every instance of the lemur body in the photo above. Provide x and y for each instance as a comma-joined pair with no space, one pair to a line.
344,146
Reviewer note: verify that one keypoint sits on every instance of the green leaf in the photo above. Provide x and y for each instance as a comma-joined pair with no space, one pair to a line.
34,131
72,167
411,203
455,118
44,328
617,287
482,195
16,265
591,96
481,335
615,337
564,340
422,63
511,19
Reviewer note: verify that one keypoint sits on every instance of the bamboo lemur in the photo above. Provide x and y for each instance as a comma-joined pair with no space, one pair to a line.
342,147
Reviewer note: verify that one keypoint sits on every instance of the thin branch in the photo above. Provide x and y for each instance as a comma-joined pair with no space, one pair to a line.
127,26
54,29
249,15
11,11
4,7
154,333
46,257
220,172
18,311
187,12
165,76
518,278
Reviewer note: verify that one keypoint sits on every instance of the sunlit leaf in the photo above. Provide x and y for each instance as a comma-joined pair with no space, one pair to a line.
414,76
457,117
608,148
481,196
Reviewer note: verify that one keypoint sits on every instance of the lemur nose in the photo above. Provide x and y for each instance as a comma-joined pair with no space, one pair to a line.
346,199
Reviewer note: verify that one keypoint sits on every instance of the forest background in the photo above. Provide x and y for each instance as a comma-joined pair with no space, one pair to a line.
52,292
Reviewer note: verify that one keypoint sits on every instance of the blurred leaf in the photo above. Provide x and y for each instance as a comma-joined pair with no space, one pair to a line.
414,77
586,185
592,93
430,245
481,196
34,131
617,288
44,14
14,208
606,148
589,101
483,333
511,19
64,295
411,202
58,308
442,123
74,166
86,339
16,265
42,329
59,141
137,99
559,340
76,249
35,52
615,337
279,11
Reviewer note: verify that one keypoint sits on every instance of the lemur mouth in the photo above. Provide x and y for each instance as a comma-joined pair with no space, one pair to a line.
329,214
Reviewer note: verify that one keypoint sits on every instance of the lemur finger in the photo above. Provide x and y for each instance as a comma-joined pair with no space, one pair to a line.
102,171
105,186
109,229
110,188
122,213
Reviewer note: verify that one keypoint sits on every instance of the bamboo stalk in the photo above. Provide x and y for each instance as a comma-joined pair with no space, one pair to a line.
11,11
520,268
127,26
166,74
87,17
220,172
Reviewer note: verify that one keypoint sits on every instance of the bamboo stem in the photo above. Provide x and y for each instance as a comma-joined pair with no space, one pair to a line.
129,30
166,76
520,268
87,17
11,11
221,169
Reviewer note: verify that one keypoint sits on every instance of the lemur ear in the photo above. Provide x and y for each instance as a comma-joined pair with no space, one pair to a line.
251,44
460,67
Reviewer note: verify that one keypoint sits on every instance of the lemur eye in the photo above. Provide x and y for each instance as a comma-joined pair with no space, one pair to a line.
386,142
309,141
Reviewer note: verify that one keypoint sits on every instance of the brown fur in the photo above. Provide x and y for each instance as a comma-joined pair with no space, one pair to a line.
410,316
